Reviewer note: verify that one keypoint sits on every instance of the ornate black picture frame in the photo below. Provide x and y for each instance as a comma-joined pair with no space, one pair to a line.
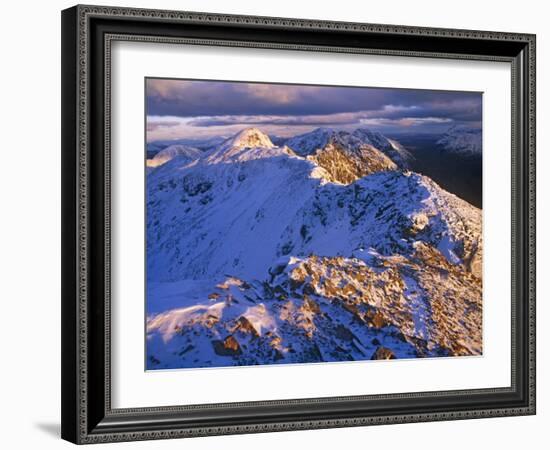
87,35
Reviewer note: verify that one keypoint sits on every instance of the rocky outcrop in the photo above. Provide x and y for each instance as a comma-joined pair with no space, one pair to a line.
346,166
332,309
383,353
228,347
308,143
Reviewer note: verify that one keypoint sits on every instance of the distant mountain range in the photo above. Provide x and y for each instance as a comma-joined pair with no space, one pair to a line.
452,159
179,151
462,140
325,247
201,144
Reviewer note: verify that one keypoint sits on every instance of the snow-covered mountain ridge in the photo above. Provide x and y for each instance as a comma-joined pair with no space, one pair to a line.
345,165
462,140
246,145
185,153
309,143
259,254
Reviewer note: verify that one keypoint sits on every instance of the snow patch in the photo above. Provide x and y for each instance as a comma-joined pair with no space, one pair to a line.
462,140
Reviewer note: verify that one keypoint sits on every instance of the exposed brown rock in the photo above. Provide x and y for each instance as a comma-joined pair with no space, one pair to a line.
383,353
346,166
418,223
228,347
416,305
211,320
376,319
452,295
244,325
310,305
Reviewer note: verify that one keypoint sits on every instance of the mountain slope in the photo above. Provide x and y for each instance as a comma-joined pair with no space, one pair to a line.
462,141
319,309
235,211
345,165
390,147
309,143
202,144
184,153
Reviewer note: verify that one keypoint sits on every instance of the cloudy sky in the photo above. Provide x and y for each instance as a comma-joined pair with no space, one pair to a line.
198,109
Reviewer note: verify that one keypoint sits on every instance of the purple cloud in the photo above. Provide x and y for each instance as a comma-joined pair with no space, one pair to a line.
190,107
215,98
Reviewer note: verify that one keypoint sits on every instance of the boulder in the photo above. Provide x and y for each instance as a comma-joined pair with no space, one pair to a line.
228,347
244,326
383,353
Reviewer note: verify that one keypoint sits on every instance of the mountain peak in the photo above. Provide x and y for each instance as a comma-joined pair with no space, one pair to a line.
309,143
250,138
391,148
246,145
323,130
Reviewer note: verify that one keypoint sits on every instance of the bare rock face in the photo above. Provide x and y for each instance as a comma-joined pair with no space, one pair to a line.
434,304
474,261
228,347
418,223
346,166
375,319
309,143
383,353
244,326
334,309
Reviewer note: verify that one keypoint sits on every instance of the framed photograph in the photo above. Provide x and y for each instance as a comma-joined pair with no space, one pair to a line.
280,224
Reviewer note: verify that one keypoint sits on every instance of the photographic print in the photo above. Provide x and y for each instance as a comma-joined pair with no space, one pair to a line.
294,223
